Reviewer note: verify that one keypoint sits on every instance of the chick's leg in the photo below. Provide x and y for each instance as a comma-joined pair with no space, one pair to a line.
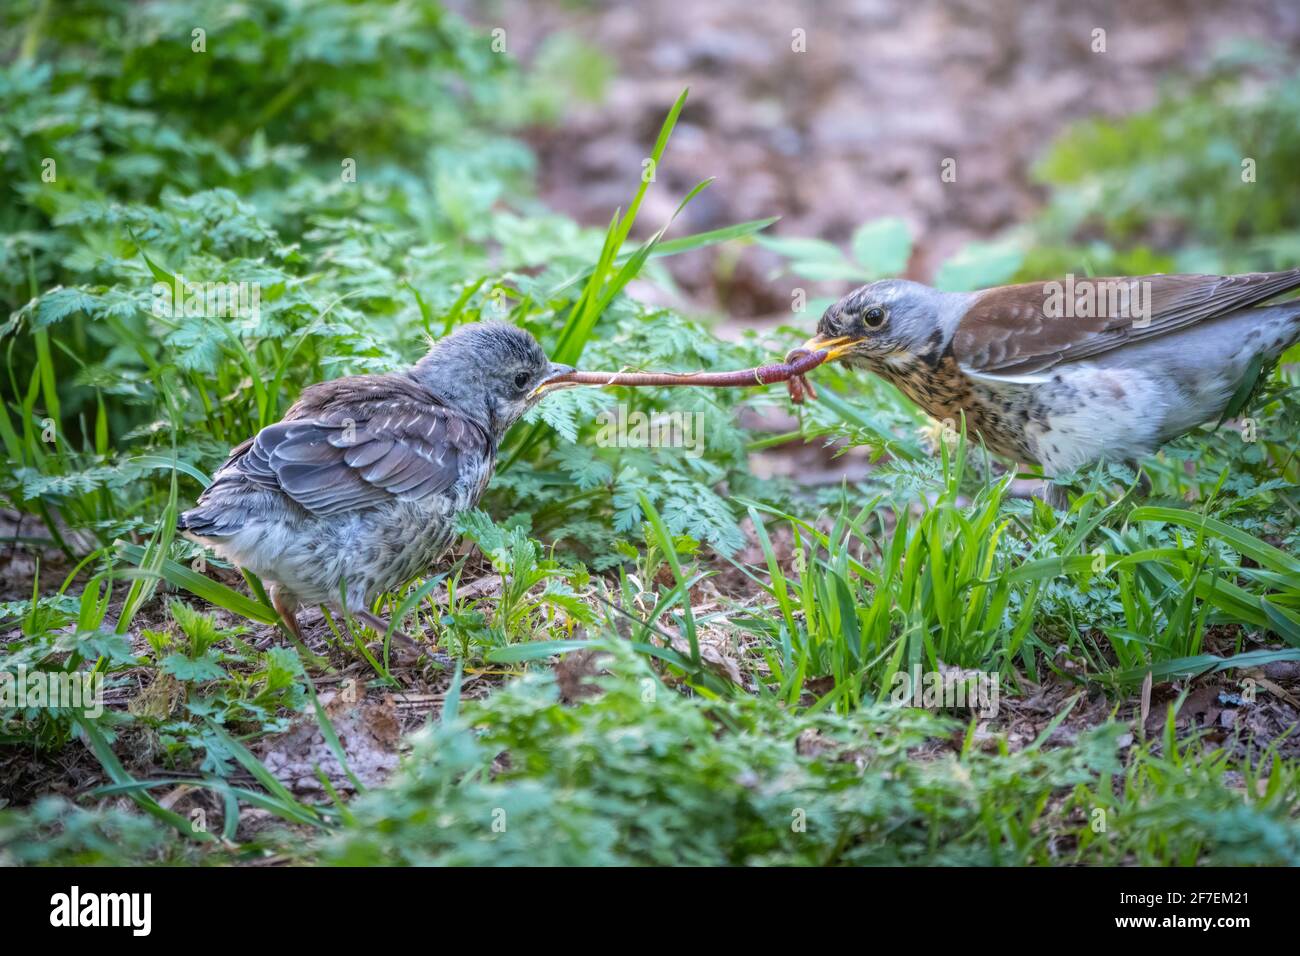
287,606
380,627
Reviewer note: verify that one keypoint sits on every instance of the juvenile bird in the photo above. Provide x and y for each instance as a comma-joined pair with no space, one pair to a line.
362,480
1065,373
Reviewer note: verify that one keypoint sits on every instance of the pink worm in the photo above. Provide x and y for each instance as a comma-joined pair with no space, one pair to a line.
797,364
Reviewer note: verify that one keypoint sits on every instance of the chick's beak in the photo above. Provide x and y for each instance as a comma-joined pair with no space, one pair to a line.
555,379
833,347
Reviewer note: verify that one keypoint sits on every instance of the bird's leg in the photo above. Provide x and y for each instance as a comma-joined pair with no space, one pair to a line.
377,623
1144,480
380,627
287,607
1056,496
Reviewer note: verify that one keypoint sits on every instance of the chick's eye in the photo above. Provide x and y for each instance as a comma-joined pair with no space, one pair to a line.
521,379
874,317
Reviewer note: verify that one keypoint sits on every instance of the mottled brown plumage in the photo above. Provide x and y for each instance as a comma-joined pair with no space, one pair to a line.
1008,329
1062,374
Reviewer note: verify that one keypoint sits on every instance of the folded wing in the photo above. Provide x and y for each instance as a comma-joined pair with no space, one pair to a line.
400,448
1020,332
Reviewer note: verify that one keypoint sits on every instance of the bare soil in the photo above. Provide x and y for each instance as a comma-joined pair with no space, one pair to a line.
857,125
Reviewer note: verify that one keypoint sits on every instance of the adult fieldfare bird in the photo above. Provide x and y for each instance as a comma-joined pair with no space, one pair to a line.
361,482
1065,373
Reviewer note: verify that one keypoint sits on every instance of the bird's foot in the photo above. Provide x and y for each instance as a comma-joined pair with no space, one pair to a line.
380,627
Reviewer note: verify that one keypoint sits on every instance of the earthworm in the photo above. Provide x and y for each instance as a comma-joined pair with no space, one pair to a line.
798,363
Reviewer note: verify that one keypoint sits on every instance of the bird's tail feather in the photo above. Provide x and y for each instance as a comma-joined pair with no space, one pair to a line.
206,521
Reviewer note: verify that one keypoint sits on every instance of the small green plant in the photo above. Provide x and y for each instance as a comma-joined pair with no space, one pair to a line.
538,595
638,774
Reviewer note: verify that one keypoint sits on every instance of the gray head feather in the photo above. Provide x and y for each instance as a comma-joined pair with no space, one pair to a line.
486,370
895,317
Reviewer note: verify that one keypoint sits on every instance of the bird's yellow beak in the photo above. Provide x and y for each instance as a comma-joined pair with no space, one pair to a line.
833,348
555,379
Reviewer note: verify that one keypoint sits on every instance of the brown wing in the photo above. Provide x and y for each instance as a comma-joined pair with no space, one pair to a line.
337,455
1017,330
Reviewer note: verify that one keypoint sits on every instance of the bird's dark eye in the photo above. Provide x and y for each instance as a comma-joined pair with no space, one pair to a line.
522,379
874,317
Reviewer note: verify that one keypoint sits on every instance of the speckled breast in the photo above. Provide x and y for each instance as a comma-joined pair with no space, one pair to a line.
998,415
